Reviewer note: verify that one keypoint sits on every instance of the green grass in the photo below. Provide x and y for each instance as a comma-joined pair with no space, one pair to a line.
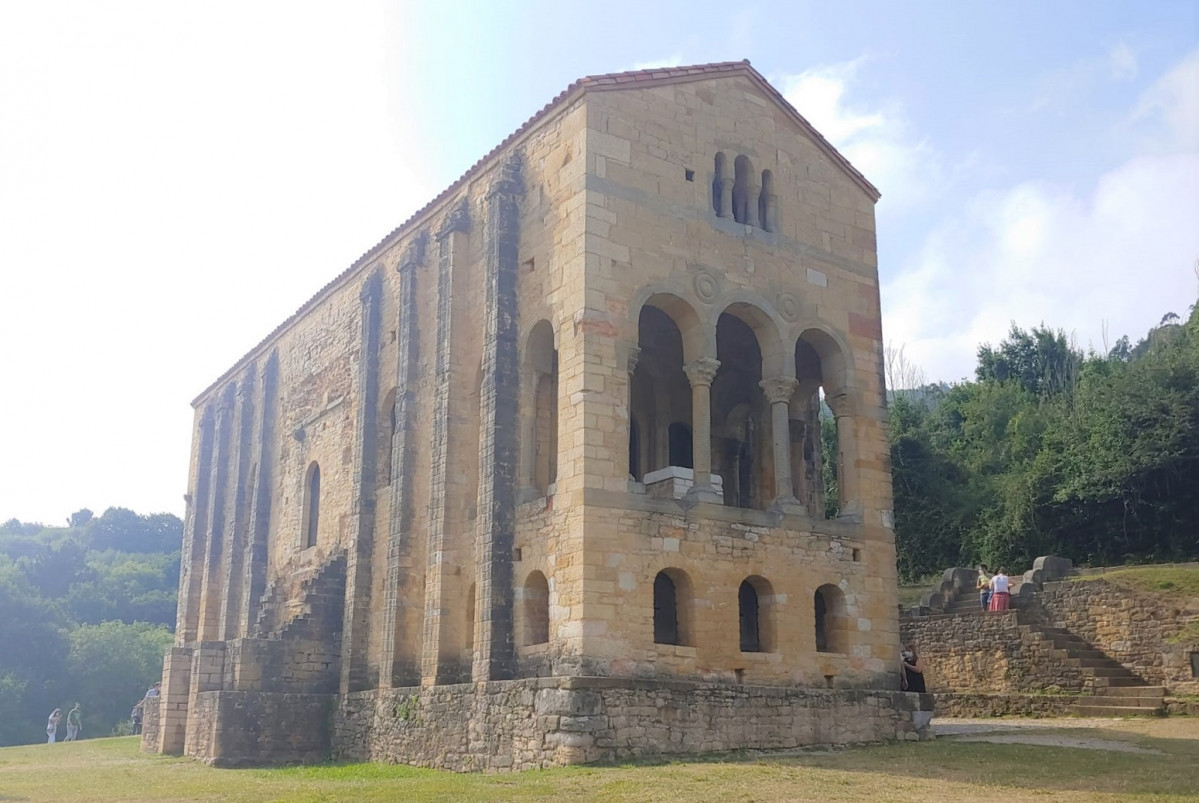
114,770
1168,580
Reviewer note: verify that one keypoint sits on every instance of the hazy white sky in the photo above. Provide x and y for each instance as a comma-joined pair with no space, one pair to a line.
175,179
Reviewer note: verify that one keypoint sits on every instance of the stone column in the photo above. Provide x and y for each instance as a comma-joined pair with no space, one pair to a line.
402,617
236,526
753,212
771,223
726,197
778,390
848,483
356,613
700,373
191,570
495,650
210,592
257,549
443,660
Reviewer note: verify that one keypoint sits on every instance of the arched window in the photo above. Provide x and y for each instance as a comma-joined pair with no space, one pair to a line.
831,626
536,607
666,610
387,433
747,606
543,364
818,472
680,446
721,174
768,203
312,504
742,170
469,635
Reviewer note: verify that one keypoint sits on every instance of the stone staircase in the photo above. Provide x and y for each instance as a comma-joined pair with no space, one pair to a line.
1108,688
315,612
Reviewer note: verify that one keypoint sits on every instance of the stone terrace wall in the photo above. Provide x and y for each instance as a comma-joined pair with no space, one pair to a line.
536,723
1135,629
991,653
235,728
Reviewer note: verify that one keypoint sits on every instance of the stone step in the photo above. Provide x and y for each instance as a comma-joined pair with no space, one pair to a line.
1136,692
1116,672
1097,663
1112,711
1149,703
1123,680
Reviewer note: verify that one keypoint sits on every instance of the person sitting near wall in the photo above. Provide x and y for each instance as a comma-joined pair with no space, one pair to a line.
983,585
912,670
1001,595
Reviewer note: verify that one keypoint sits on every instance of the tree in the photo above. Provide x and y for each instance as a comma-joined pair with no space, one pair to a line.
110,666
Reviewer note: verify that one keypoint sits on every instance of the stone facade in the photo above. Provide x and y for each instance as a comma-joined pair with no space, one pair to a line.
562,424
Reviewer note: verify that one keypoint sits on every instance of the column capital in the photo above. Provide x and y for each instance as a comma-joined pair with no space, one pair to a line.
701,371
414,254
634,356
456,220
842,404
779,389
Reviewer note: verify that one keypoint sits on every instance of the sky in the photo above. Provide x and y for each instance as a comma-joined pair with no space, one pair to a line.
177,178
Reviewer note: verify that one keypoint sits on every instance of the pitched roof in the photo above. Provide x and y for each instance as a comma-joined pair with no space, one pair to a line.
591,83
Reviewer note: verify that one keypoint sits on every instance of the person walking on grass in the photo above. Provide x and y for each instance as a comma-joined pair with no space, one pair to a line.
52,725
74,720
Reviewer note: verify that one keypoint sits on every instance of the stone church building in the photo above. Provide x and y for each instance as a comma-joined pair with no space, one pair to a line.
539,479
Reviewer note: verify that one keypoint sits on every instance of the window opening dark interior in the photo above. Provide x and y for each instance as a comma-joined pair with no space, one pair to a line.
666,614
747,601
680,445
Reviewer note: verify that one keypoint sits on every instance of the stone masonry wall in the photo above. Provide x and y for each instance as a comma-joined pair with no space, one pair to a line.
536,723
1141,631
991,653
252,728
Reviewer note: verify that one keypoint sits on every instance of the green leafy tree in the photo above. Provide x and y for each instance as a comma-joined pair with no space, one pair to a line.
110,666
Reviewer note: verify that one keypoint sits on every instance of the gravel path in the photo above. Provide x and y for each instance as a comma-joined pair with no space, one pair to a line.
1025,731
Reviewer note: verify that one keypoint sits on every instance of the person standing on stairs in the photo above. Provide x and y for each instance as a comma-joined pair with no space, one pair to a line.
984,586
1001,595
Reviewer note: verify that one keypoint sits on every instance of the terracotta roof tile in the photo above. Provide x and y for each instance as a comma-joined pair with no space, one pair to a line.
618,80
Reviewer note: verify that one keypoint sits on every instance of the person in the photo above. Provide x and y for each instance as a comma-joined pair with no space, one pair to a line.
983,585
135,716
74,720
154,690
52,725
1001,594
913,670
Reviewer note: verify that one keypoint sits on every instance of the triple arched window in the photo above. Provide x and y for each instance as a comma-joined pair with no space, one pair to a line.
744,195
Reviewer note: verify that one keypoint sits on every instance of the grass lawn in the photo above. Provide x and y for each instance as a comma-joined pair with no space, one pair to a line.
947,769
1172,580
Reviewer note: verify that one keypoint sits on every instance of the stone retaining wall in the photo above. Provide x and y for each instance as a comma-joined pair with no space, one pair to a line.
150,720
1141,631
246,728
536,723
989,653
950,704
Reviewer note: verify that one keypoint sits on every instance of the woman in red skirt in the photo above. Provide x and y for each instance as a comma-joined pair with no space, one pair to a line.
1001,595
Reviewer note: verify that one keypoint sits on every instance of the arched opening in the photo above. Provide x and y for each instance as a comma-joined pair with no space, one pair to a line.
767,203
721,173
659,393
831,625
469,632
818,462
312,504
536,610
747,608
542,360
634,448
672,593
680,446
741,440
743,170
387,434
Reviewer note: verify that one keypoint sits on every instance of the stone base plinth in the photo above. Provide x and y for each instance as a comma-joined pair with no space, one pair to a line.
252,728
544,722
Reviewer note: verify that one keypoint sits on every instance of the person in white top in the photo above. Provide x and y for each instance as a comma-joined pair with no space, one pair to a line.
1001,596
